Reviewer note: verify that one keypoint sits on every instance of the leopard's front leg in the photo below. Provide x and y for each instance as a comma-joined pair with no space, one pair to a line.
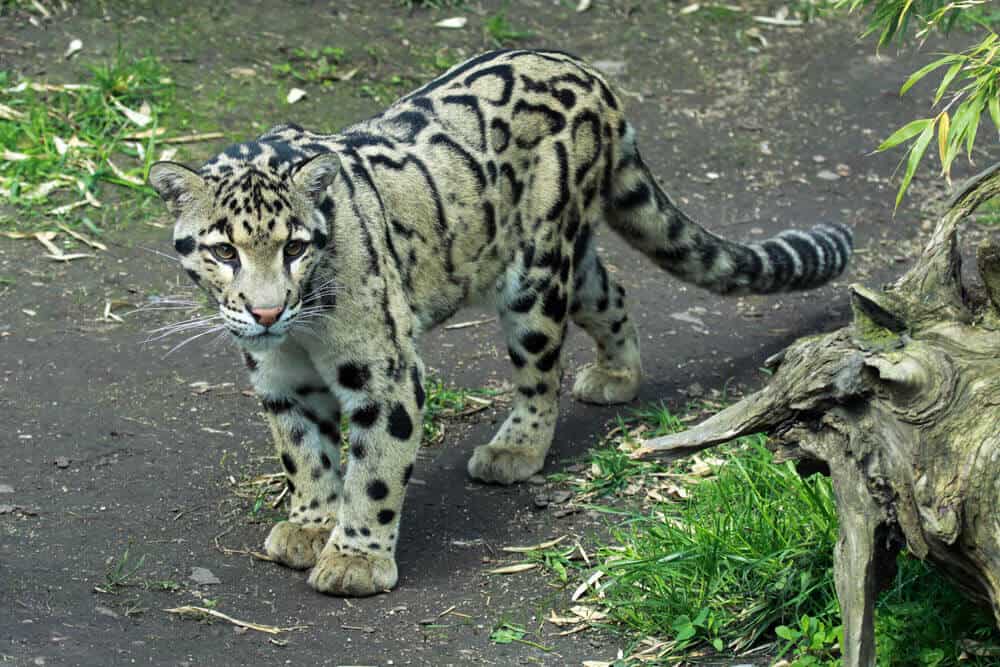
304,417
384,398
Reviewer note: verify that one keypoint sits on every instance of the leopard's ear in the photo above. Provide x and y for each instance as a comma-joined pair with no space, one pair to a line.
176,184
315,175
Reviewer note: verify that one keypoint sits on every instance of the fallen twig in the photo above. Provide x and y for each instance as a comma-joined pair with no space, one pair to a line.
202,611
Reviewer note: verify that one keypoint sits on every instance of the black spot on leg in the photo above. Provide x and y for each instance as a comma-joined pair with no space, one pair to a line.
296,435
350,532
541,388
546,363
358,451
288,463
377,490
374,545
276,405
330,430
251,362
534,341
385,517
516,358
313,504
366,415
366,531
527,392
316,473
325,461
418,386
400,425
331,498
353,376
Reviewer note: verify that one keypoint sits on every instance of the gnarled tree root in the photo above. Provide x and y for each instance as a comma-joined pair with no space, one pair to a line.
903,407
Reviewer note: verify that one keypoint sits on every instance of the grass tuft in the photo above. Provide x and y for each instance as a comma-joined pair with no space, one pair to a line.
733,556
72,138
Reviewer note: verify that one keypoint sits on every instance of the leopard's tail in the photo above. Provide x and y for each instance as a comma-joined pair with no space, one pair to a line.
646,217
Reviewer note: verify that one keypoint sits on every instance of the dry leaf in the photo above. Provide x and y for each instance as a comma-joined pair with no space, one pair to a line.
582,588
142,118
73,49
294,95
7,113
241,72
535,547
13,156
583,6
81,238
588,613
453,23
690,9
513,569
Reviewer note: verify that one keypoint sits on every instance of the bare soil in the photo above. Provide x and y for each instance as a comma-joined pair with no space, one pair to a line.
105,446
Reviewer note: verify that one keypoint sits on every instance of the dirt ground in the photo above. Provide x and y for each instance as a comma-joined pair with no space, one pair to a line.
106,448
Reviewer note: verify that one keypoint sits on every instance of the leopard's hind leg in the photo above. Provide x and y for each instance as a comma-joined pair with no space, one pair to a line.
532,303
599,308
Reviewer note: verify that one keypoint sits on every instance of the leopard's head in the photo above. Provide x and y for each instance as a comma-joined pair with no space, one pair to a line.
251,238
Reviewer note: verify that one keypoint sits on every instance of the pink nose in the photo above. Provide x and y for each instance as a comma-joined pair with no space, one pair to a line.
266,316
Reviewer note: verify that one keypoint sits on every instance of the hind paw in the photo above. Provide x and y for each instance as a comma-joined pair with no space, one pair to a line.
606,386
296,546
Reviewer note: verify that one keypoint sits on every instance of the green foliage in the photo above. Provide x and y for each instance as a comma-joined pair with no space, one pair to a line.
72,137
320,65
743,558
499,30
969,89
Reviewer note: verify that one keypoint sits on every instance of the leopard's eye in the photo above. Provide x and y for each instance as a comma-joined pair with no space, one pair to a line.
294,248
224,252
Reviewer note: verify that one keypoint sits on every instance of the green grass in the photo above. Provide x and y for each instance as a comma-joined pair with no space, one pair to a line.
65,142
740,557
500,32
446,402
989,213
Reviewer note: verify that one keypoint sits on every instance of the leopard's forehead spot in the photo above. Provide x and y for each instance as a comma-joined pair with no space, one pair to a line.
252,207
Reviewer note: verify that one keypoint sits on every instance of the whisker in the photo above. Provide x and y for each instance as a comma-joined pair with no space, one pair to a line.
215,329
172,258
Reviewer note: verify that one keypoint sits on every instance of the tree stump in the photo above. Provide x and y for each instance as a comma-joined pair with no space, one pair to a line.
903,407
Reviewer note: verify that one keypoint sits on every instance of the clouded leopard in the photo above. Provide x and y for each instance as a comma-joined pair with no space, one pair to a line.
330,254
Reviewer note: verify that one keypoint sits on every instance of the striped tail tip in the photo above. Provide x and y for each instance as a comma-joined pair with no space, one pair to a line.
800,260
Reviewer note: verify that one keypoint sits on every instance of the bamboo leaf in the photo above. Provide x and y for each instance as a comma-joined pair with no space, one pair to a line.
944,123
916,153
911,129
949,76
925,70
995,110
976,109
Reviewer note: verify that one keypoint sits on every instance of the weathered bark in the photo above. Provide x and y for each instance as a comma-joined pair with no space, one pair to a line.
903,407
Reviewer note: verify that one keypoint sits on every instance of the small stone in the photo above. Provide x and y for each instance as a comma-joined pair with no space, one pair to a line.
541,501
559,497
203,576
611,67
6,488
843,170
62,462
828,175
536,480
765,148
695,390
105,611
819,159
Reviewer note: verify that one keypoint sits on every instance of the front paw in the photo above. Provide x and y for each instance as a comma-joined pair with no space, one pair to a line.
294,545
357,575
504,464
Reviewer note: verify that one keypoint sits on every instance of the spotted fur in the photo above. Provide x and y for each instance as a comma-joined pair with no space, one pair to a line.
486,183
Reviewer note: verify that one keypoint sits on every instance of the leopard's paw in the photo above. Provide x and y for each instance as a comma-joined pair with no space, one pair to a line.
501,463
295,545
599,384
357,575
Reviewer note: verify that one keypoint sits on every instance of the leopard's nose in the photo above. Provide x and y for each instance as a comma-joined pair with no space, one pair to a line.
266,316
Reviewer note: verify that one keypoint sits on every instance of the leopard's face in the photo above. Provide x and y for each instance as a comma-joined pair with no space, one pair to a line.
251,240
